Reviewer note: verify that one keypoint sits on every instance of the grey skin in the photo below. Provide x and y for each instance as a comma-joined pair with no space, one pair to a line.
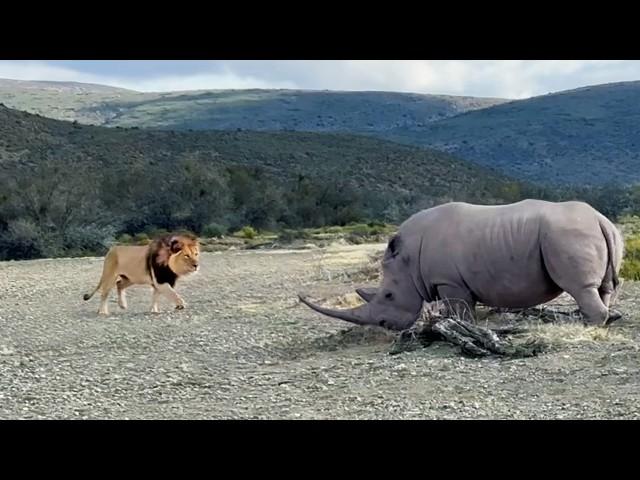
508,256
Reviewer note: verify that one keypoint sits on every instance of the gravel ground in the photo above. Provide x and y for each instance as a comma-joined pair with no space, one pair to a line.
245,348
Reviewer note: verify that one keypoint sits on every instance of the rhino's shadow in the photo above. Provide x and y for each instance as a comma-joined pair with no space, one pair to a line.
348,338
353,337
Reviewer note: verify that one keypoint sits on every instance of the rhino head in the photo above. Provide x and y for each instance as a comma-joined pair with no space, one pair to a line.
396,304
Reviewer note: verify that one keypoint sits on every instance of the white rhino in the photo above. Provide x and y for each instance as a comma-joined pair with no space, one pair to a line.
507,256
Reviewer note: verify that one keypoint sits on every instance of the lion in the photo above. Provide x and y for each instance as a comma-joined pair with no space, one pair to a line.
159,264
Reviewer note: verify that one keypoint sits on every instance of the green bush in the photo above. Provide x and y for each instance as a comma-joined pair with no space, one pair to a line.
376,223
125,238
214,230
88,239
631,263
355,239
361,230
630,224
22,240
157,232
290,235
141,238
248,232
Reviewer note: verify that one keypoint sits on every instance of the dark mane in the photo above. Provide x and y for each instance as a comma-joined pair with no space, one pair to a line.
158,257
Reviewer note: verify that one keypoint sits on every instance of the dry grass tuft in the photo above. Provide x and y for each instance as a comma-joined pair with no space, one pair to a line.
348,300
573,333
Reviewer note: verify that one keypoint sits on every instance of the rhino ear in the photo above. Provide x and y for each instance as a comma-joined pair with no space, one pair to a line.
393,248
367,294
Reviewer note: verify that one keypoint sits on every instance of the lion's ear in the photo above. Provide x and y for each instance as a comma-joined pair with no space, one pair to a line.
175,245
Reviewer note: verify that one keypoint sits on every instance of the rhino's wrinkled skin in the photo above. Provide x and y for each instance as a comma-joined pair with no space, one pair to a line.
508,256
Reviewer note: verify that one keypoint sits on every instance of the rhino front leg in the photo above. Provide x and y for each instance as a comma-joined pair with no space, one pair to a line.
458,302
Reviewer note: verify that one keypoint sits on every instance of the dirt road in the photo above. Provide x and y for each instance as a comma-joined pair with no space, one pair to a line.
245,348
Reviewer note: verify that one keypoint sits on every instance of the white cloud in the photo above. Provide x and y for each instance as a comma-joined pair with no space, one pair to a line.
488,78
214,81
36,70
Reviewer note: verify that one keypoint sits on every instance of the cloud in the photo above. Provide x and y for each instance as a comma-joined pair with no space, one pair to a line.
212,81
225,79
37,70
487,78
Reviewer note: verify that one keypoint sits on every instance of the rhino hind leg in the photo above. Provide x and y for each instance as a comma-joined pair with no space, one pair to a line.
570,268
592,307
605,296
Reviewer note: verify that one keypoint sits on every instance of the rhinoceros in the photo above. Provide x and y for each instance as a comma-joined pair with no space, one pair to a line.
506,256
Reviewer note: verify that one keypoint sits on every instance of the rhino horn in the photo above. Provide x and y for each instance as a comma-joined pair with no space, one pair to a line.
360,315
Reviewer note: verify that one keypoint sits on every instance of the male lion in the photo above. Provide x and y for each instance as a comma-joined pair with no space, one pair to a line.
158,264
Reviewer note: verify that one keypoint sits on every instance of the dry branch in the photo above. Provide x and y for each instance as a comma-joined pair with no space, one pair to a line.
473,339
480,341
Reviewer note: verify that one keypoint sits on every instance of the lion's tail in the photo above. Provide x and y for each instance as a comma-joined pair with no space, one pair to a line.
105,273
87,296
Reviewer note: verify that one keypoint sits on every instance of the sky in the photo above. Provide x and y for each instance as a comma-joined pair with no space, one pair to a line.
515,79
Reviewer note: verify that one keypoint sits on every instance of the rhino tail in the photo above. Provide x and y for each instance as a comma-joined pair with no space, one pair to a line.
614,255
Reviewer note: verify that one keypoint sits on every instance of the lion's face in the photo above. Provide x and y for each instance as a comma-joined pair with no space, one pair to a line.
185,257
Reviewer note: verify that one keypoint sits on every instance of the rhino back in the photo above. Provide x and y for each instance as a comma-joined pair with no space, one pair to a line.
493,251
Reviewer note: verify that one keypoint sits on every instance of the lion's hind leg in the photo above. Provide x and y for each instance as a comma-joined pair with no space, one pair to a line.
122,283
107,282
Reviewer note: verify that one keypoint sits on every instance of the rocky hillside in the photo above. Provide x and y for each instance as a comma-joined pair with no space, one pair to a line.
584,136
318,111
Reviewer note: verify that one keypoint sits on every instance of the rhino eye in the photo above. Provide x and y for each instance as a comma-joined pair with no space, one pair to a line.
388,295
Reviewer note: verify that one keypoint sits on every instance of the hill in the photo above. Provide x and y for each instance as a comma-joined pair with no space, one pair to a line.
55,174
70,101
321,111
588,136
372,164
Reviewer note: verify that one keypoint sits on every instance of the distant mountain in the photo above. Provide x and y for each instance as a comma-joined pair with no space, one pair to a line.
585,136
318,111
62,100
